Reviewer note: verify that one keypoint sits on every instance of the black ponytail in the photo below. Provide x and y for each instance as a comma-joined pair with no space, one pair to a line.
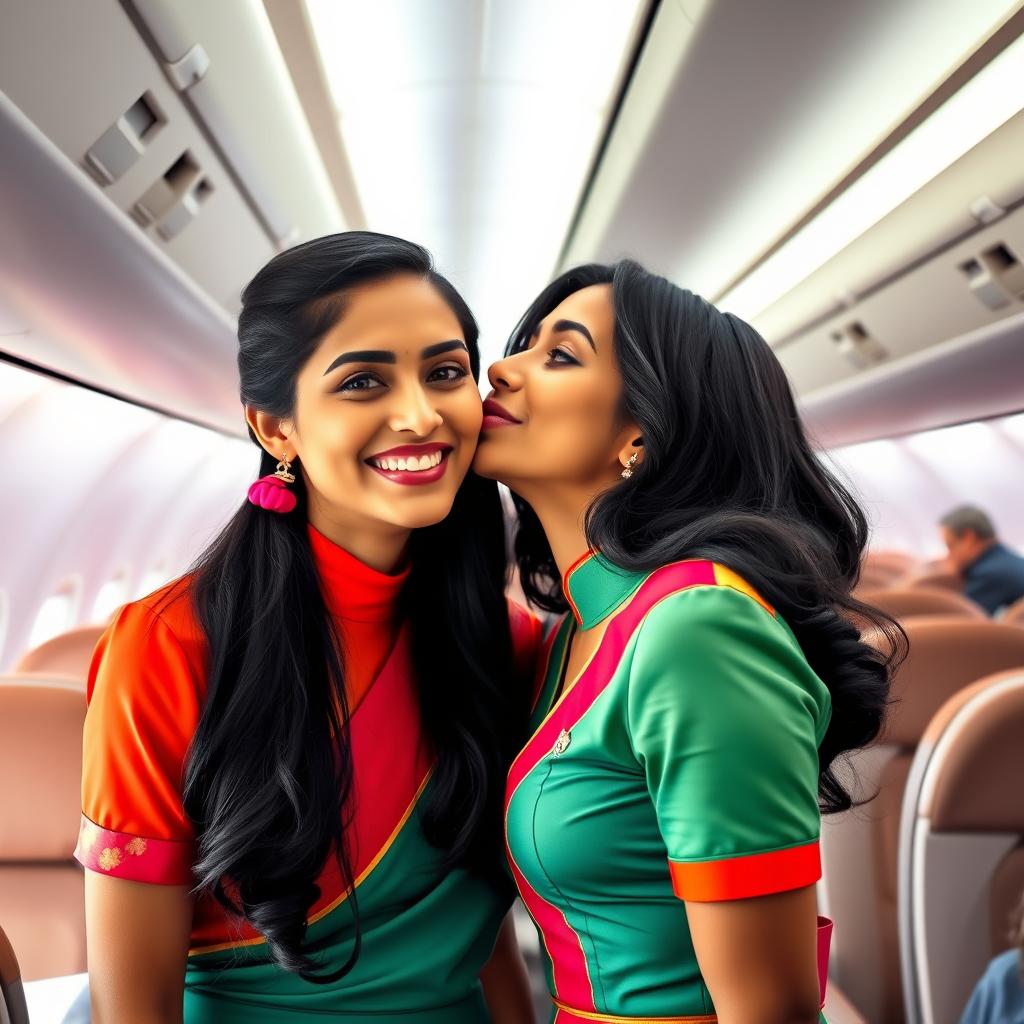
269,770
727,475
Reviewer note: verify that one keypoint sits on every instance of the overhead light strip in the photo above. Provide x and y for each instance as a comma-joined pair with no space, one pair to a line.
984,104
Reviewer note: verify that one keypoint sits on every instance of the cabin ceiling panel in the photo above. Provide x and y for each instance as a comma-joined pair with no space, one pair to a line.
771,107
470,127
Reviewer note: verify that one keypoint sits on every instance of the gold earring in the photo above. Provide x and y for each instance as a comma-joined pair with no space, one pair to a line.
283,471
628,471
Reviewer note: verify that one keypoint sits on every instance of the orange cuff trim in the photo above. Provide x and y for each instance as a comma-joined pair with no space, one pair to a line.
137,858
741,877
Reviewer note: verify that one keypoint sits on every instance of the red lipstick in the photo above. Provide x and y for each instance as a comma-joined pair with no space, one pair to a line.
496,415
404,455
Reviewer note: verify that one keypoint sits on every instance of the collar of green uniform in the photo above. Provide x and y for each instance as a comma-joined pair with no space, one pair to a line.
594,588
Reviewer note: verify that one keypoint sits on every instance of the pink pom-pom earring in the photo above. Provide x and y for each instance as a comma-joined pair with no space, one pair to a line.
271,492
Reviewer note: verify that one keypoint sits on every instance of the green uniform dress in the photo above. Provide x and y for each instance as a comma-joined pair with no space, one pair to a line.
680,764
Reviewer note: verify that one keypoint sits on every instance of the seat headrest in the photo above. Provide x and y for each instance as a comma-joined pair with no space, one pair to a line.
946,654
69,654
901,602
942,580
973,778
41,723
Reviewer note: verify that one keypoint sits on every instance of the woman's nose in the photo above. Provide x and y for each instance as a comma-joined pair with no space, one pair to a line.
416,412
503,374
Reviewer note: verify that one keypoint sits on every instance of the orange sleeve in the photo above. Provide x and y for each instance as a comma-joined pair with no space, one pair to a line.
144,691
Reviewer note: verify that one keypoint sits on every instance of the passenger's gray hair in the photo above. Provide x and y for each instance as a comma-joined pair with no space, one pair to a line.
969,517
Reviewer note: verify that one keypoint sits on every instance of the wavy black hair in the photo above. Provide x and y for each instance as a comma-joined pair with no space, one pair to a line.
728,475
269,771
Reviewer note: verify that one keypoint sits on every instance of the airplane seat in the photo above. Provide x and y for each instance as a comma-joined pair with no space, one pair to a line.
961,854
941,579
1014,614
903,602
891,564
68,654
41,886
12,993
859,847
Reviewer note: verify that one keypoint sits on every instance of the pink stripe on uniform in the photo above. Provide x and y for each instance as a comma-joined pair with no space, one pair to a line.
137,858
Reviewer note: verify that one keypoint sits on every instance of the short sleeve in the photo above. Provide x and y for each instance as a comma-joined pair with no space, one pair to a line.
143,712
725,716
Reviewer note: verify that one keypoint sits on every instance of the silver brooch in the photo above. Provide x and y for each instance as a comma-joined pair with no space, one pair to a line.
562,743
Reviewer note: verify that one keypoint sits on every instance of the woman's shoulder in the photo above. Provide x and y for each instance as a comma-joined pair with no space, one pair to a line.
158,632
697,599
715,623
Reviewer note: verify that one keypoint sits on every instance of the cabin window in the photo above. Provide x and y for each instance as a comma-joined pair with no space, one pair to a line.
110,597
56,614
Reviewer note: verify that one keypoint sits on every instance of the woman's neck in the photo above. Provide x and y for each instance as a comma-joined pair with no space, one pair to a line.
380,547
562,518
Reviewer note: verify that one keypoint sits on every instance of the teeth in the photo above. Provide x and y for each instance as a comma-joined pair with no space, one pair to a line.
410,465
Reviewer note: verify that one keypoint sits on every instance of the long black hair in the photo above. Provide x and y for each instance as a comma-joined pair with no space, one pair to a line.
728,475
269,771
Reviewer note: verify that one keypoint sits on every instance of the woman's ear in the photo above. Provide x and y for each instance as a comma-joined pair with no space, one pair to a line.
273,432
631,454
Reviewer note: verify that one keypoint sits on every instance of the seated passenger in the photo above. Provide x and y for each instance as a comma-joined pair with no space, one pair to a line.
993,574
998,998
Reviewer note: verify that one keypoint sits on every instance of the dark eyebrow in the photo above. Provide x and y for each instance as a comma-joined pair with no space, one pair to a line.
384,356
442,346
370,356
572,325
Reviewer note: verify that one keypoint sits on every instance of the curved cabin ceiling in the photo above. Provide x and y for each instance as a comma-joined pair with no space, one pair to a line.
512,138
764,108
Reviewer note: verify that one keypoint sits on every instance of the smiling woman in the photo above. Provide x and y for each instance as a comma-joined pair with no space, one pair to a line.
294,754
392,365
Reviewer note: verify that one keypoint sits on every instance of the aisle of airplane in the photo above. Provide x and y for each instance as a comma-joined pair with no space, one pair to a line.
847,177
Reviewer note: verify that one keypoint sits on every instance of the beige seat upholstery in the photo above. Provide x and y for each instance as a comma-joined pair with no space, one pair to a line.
859,847
961,853
1015,613
882,569
12,993
41,886
66,655
940,580
906,601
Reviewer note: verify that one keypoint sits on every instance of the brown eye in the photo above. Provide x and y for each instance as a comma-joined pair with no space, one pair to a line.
361,382
447,374
560,357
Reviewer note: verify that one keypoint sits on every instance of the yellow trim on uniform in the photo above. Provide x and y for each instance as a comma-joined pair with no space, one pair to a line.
725,577
608,1018
257,940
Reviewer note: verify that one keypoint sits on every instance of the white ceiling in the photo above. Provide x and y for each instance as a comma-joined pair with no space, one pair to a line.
470,126
770,107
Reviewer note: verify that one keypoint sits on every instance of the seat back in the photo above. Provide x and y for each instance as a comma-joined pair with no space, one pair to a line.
66,655
940,580
1015,613
888,567
961,852
860,847
904,602
12,993
41,886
